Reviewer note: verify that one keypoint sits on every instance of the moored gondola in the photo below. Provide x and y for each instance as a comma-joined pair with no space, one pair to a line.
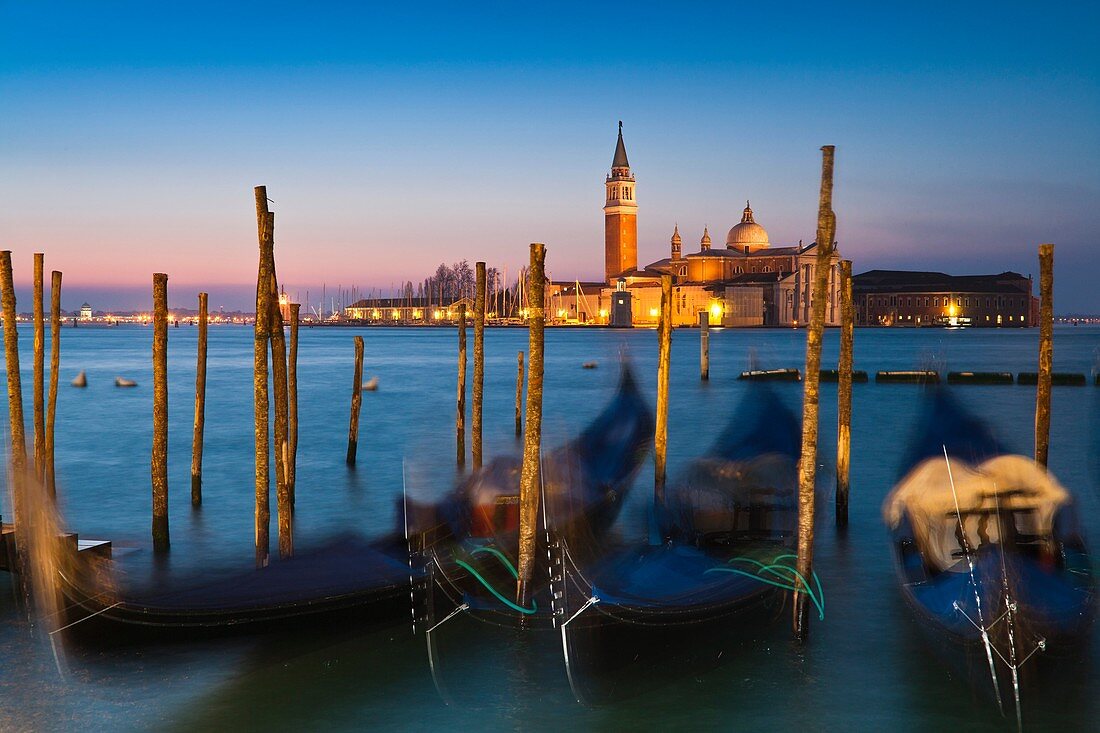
469,539
717,572
347,577
988,554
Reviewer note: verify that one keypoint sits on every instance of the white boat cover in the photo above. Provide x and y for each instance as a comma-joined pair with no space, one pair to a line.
1002,490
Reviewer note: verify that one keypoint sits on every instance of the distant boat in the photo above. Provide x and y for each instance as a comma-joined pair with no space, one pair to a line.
371,384
589,365
81,380
121,382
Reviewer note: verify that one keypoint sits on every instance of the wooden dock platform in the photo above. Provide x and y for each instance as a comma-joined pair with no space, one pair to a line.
72,541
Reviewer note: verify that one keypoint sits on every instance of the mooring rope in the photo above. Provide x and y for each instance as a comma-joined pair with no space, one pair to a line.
489,586
786,574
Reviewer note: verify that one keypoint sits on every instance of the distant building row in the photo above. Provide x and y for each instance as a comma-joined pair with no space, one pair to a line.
745,283
750,283
904,298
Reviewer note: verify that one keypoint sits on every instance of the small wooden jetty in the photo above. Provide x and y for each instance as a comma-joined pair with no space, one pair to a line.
980,378
70,540
1057,379
772,375
833,375
909,377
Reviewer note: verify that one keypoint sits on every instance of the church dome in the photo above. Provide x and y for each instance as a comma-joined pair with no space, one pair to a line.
748,233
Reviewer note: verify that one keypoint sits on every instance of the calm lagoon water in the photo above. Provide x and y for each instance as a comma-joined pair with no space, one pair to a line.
865,667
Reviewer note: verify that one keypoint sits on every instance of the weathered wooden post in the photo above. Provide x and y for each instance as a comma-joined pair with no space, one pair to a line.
160,412
292,402
55,366
479,364
530,470
704,345
844,395
278,379
39,373
1046,353
519,394
259,383
460,412
15,409
807,464
200,406
664,363
356,401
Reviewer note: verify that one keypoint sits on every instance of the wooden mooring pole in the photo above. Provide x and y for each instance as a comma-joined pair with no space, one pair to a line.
15,409
807,464
844,395
39,373
704,345
279,379
460,411
55,366
1046,353
531,469
664,363
519,394
356,402
259,384
479,364
160,413
292,402
200,406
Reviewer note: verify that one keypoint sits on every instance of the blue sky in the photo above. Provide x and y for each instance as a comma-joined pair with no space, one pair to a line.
392,139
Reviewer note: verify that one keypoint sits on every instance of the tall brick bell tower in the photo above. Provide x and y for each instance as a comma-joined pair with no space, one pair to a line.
620,212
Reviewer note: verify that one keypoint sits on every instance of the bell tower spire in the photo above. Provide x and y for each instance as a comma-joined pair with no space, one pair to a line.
620,211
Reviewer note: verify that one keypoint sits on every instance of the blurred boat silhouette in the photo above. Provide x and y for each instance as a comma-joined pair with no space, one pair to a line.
988,553
347,576
81,380
724,554
123,382
470,538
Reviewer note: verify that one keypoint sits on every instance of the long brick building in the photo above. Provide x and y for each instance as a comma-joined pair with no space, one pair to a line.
907,298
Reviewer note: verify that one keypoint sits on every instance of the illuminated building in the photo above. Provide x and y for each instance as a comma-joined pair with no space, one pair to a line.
417,311
908,298
745,283
620,215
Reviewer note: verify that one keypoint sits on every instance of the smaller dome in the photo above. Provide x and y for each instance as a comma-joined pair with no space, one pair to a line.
676,235
704,243
748,233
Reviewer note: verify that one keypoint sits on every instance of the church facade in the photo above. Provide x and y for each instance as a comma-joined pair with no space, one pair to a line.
746,282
